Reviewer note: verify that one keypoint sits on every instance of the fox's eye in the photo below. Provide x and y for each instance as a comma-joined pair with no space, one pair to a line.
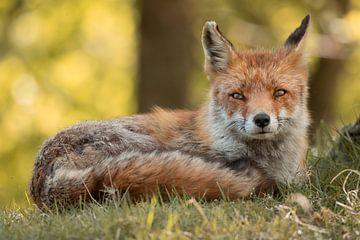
237,96
279,93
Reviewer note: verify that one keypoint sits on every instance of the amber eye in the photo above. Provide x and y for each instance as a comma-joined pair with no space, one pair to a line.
279,93
237,96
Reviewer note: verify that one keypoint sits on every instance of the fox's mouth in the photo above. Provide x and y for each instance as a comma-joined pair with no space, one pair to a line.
261,135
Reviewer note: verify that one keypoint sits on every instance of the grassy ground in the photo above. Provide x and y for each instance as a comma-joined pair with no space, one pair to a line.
328,206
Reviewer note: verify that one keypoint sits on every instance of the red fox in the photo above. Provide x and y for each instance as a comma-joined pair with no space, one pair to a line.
248,136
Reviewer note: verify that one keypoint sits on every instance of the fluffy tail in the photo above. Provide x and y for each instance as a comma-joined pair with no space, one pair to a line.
145,173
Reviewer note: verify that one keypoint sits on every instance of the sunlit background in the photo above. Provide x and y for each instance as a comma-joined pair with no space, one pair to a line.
66,61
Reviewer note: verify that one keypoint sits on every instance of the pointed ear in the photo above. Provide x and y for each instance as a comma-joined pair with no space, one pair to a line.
217,49
296,39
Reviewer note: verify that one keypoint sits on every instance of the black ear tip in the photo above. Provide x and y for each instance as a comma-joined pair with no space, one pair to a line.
304,23
306,20
298,34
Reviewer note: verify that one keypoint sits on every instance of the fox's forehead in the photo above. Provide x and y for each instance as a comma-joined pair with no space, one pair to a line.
267,60
266,67
261,57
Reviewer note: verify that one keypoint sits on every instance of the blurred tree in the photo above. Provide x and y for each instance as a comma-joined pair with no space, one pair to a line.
165,61
333,54
10,13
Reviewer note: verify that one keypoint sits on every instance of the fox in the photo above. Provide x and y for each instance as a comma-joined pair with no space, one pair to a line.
248,137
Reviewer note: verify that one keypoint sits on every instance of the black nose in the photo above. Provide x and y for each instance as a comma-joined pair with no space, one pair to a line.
262,120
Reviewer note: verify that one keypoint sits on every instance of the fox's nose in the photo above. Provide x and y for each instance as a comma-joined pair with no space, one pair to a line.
262,120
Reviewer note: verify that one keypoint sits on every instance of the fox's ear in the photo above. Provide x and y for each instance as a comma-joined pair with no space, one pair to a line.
296,38
217,49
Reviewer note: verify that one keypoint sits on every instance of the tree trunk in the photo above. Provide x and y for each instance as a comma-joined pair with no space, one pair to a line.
5,24
165,60
323,86
324,80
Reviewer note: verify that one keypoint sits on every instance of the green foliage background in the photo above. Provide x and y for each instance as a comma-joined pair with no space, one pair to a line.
66,61
62,61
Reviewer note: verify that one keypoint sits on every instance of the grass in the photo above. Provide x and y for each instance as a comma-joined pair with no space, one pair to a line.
332,191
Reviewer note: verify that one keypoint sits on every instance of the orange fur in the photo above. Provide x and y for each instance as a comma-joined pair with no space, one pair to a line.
257,74
201,180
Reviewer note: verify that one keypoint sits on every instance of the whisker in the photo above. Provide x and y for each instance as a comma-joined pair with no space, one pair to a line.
285,122
230,124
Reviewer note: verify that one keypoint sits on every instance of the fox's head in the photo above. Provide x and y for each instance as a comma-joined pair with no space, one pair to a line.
259,94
